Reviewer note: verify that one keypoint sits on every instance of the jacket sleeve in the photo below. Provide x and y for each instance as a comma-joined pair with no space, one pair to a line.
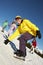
14,35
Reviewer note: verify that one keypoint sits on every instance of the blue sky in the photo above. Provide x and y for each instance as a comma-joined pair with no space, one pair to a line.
30,9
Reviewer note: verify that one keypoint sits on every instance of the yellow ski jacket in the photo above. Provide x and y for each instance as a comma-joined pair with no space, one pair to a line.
25,26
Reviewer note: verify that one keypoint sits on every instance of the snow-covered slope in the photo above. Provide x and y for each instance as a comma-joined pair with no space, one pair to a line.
6,55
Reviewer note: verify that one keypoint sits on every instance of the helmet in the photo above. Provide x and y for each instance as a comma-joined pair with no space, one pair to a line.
18,17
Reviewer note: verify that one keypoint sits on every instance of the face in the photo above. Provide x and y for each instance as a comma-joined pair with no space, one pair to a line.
18,21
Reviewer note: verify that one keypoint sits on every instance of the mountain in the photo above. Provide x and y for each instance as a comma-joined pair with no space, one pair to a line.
6,54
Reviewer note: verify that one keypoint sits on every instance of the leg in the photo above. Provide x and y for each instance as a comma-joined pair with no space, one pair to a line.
13,46
23,39
3,28
22,47
32,51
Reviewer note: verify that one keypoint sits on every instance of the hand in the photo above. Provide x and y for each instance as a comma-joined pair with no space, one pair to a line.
6,41
38,34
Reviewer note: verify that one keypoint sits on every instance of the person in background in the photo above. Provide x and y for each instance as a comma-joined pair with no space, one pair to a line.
12,28
4,25
34,44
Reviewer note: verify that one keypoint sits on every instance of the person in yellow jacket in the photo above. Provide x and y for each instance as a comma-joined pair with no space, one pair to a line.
27,31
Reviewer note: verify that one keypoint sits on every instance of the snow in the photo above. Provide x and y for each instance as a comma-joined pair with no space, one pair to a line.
0,28
6,55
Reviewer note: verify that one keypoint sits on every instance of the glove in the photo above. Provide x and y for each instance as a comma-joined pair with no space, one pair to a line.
38,34
6,41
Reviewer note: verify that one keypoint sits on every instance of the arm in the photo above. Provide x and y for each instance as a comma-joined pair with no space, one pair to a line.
13,36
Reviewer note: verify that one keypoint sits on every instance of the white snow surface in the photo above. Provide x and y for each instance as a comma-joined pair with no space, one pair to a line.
6,55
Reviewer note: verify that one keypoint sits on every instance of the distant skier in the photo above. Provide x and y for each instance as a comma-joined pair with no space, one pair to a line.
12,28
27,31
34,44
4,25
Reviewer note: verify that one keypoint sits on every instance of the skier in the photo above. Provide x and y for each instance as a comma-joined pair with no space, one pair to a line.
4,25
34,44
12,28
27,31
